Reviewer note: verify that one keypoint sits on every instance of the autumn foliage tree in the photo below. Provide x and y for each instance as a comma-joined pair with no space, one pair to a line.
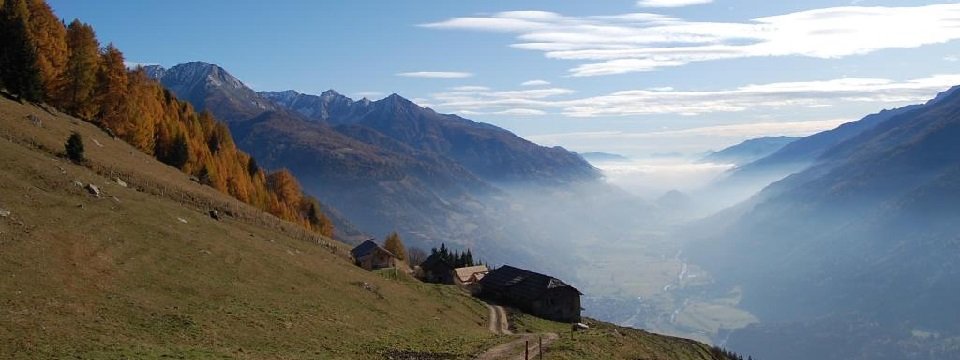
394,244
79,79
50,38
44,60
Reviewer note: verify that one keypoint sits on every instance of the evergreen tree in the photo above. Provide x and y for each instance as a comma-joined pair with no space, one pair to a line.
175,153
252,167
74,148
394,244
18,53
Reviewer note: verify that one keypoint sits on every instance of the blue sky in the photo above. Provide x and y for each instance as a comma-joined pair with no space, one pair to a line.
664,79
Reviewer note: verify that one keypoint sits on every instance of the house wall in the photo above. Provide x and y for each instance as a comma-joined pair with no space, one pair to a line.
377,260
439,275
559,304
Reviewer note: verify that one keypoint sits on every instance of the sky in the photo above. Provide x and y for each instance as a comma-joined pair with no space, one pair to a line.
634,77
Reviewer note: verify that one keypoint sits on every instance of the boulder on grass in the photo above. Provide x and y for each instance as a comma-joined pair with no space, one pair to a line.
93,190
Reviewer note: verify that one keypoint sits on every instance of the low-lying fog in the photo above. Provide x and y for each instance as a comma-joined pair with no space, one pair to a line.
615,242
651,178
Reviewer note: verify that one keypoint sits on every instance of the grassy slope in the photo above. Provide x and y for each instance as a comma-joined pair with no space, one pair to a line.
608,341
84,277
110,279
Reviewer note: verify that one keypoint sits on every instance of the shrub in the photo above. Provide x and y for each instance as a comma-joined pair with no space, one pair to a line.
74,147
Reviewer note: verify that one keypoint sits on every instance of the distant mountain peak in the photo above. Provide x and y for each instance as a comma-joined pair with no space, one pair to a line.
213,74
154,71
396,101
331,93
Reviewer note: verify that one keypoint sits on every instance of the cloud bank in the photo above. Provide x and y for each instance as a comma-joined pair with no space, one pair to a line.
436,74
635,42
660,101
671,3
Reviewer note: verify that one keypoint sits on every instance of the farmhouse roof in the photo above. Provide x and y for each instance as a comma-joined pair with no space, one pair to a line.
464,273
366,248
525,285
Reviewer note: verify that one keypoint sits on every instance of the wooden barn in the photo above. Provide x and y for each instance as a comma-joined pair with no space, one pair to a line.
534,293
436,270
371,256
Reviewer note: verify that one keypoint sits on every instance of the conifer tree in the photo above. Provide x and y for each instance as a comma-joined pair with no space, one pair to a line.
74,148
175,153
285,186
252,167
394,244
79,79
18,53
111,92
50,37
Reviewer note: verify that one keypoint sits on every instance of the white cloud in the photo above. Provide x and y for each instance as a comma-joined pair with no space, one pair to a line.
535,83
738,131
470,88
671,3
607,45
437,74
368,94
134,65
508,112
488,101
777,96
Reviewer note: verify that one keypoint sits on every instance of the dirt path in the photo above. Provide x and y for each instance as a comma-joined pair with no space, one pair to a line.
514,350
498,320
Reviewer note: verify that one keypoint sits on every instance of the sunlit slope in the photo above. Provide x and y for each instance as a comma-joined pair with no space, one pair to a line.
123,275
144,272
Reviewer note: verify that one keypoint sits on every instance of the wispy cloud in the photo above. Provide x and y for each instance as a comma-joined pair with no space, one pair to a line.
470,88
509,112
671,3
777,96
368,94
746,130
497,102
134,64
436,74
607,45
535,83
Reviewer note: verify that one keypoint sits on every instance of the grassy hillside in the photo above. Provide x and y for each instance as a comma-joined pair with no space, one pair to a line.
144,272
125,277
608,341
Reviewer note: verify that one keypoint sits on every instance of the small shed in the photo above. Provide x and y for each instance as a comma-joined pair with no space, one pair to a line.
436,270
469,275
371,256
534,293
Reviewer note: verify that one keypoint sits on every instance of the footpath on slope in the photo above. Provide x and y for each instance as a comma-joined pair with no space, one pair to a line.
513,350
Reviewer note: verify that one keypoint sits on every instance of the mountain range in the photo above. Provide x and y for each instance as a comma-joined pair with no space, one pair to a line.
858,245
749,151
386,165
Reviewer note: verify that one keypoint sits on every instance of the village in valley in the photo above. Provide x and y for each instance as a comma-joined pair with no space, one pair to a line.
533,293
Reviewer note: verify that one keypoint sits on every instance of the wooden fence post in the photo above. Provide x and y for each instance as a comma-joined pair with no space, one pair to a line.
526,350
